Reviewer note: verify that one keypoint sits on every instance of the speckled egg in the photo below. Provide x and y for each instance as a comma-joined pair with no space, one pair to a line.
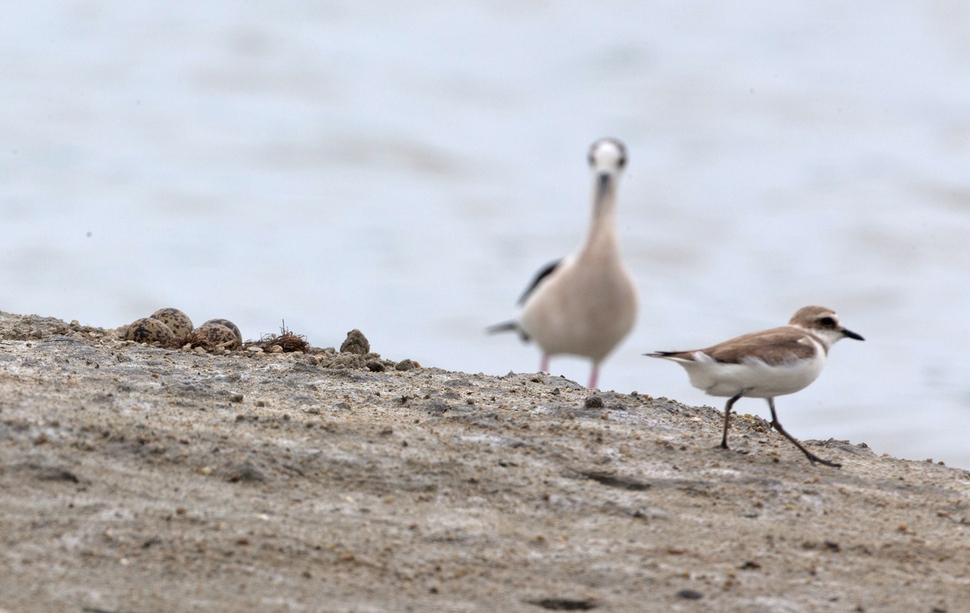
220,331
230,325
148,330
177,321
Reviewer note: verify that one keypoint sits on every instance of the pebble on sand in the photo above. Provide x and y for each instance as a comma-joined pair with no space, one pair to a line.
355,342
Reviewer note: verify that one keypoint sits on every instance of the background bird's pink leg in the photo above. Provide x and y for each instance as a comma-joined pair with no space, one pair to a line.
594,377
544,365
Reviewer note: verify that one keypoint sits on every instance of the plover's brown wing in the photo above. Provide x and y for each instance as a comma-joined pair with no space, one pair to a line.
773,347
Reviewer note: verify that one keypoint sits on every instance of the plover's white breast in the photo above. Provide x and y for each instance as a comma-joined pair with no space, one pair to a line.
760,379
762,364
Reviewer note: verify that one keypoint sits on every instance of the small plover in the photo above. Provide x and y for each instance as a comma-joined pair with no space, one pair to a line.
766,364
584,304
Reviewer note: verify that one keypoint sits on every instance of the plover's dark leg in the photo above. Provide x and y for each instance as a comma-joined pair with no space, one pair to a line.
727,416
811,456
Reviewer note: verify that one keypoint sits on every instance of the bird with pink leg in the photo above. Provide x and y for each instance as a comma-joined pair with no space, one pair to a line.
584,304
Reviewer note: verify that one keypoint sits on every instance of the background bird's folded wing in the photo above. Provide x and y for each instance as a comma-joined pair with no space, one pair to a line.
542,274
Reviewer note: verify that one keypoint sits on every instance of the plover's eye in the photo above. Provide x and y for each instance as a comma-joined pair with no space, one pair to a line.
828,322
621,162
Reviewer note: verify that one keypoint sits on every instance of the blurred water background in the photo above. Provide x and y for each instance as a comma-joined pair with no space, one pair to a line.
405,167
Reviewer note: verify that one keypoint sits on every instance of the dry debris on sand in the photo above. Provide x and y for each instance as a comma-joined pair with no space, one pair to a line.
137,479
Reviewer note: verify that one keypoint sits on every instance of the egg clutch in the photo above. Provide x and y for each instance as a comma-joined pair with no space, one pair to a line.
173,328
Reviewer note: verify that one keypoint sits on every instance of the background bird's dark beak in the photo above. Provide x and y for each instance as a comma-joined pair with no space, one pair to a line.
852,334
602,182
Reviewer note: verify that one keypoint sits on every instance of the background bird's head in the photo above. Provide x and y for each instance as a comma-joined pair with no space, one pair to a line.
607,157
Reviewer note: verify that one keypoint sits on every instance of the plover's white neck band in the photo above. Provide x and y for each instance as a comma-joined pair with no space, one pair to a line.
823,342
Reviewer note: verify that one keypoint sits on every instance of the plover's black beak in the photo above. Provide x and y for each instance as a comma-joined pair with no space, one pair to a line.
602,182
851,334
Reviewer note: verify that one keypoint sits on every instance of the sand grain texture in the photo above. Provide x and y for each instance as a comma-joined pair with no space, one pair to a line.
135,479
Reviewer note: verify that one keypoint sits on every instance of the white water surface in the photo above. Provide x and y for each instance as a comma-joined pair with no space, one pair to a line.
405,167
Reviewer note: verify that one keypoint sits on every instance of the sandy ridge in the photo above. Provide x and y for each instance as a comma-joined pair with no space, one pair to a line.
140,479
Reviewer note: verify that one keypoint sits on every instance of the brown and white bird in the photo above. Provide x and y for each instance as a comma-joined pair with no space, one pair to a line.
766,364
585,304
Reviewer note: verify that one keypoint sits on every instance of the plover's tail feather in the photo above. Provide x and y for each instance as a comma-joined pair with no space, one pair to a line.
508,326
671,355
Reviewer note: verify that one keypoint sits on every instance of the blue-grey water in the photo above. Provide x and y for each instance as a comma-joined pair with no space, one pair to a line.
405,167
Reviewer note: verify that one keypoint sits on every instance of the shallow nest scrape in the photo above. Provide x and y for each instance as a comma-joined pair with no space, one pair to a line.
193,338
286,339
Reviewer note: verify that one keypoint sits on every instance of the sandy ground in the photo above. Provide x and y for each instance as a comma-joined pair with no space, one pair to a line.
136,479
